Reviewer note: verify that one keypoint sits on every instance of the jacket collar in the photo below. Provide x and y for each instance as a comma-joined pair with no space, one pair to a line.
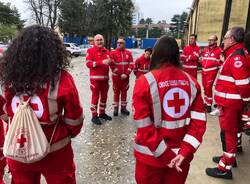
231,49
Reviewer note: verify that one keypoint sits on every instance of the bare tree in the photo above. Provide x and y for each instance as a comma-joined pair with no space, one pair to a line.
45,11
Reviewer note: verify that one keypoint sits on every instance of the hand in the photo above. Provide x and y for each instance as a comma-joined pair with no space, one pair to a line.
107,61
124,76
196,54
176,162
189,57
115,70
222,58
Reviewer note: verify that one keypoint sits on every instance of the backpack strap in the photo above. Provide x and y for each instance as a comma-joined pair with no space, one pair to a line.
54,130
25,103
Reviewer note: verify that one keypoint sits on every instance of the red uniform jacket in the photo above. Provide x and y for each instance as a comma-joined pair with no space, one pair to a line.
2,133
49,105
190,56
122,62
211,59
169,114
142,66
94,58
232,87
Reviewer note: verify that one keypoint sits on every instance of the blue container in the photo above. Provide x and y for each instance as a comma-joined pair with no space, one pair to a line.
148,43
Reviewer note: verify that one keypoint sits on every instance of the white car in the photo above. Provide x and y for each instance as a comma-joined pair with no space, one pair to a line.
84,48
72,49
3,48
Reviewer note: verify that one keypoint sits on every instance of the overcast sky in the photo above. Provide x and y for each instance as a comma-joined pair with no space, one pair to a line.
155,9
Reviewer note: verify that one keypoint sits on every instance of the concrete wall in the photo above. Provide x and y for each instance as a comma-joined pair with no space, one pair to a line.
239,13
211,14
210,17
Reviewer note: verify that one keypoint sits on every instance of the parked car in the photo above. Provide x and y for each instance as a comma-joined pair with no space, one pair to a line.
3,47
73,49
84,48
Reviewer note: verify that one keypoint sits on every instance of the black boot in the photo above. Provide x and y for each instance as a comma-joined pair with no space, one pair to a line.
216,159
125,112
105,117
208,108
96,120
239,149
115,112
215,172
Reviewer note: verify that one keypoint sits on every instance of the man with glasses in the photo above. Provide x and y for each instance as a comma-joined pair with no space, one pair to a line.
98,61
123,65
231,94
210,64
190,56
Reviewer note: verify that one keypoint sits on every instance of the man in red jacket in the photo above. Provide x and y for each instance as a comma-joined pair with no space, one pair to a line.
210,64
98,60
142,64
190,57
121,69
170,118
231,94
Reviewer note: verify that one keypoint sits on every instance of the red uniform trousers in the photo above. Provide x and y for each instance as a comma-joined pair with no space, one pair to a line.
2,159
191,71
146,174
230,124
99,90
246,118
120,88
208,79
57,168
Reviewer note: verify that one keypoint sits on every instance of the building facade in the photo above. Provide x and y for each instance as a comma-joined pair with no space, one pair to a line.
208,17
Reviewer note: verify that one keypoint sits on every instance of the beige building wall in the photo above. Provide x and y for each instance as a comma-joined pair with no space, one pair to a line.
210,21
210,17
239,11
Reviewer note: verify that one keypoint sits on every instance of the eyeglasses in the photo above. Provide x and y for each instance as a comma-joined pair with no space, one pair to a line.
226,37
210,40
120,42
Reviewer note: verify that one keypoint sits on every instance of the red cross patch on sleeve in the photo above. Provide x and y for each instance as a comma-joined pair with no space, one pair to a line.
238,64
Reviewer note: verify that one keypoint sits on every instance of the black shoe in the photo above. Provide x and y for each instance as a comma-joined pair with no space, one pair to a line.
215,172
239,149
105,117
208,108
125,112
96,120
115,112
216,159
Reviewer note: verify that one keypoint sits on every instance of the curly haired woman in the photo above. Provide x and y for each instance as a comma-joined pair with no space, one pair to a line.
35,66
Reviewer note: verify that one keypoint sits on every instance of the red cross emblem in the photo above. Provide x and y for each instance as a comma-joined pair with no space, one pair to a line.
176,102
21,141
35,103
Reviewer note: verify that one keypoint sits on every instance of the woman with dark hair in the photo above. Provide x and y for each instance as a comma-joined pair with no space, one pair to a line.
170,118
142,64
35,67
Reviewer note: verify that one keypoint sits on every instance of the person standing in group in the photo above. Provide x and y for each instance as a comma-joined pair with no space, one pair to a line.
2,135
246,113
142,64
231,94
121,69
210,65
170,118
190,56
34,70
98,61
